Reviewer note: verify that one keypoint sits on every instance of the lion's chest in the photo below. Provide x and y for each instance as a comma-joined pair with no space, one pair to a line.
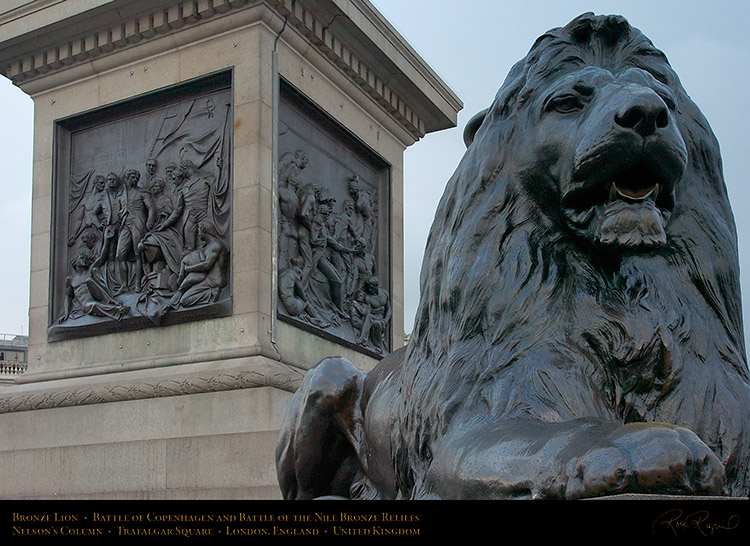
631,343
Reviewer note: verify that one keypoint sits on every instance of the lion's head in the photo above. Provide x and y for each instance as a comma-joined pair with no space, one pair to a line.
595,137
587,221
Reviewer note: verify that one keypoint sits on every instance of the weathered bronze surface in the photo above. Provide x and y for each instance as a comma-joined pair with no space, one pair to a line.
143,208
579,332
333,230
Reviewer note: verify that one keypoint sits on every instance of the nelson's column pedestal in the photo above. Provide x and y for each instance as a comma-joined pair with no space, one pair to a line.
217,205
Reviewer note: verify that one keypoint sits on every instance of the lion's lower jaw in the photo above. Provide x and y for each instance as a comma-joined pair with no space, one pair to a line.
629,225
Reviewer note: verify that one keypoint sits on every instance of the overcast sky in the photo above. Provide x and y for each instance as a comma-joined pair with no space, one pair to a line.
471,45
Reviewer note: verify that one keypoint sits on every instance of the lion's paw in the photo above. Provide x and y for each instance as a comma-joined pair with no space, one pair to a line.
647,458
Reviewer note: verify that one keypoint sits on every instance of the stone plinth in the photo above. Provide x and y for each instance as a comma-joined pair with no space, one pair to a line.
141,394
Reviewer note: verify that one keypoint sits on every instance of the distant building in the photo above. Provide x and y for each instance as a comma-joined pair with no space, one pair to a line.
14,352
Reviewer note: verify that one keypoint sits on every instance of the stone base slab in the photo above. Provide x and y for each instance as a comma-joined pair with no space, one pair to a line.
217,445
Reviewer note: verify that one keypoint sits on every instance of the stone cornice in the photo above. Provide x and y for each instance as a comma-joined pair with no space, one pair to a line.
108,29
116,26
84,391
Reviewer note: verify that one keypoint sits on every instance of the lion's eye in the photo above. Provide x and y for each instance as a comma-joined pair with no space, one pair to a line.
565,104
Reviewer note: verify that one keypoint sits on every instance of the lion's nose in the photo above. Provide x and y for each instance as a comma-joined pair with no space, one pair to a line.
643,113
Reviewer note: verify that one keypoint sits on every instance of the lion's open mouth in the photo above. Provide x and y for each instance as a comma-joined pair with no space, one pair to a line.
635,194
631,183
622,205
634,186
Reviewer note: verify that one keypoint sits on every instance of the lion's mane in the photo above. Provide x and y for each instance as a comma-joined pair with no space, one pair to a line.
510,299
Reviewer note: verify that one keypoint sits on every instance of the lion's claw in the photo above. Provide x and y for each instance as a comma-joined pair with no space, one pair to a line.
647,458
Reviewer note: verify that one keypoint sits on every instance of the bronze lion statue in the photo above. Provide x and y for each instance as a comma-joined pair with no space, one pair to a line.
579,331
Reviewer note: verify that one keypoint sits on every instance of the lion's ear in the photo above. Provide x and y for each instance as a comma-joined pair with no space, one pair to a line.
473,126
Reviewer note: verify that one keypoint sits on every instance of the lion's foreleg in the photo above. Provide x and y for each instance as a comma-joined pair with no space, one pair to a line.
317,452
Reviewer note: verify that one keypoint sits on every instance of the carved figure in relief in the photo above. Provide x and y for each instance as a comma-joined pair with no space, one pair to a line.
344,231
324,246
364,209
162,246
380,312
293,297
84,294
90,239
148,178
192,202
203,271
306,214
364,266
172,179
111,223
360,317
579,332
137,214
291,166
91,211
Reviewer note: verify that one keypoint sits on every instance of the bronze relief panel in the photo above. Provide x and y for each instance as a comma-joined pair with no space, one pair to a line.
142,217
333,230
